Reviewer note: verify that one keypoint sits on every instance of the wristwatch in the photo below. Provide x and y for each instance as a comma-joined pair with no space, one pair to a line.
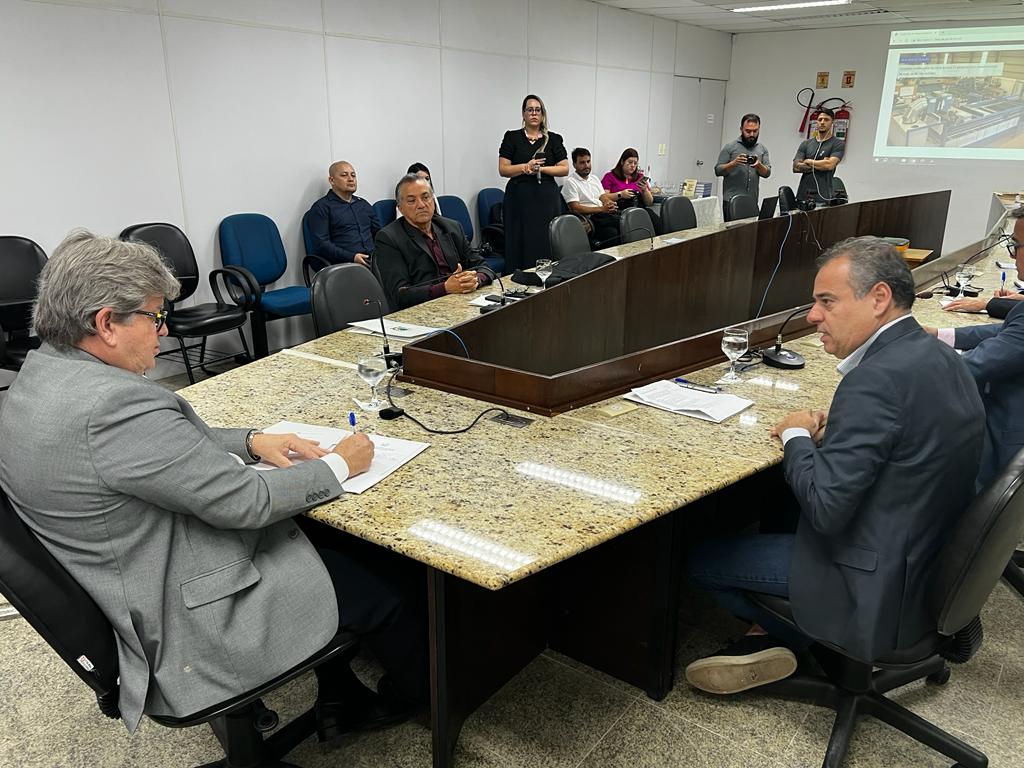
248,444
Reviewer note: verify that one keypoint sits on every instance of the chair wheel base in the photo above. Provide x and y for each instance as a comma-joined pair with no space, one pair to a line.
939,678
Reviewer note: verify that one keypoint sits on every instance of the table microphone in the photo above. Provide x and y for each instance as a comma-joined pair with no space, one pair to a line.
501,286
649,233
783,358
393,359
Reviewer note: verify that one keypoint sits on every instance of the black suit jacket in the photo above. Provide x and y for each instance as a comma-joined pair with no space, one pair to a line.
405,266
880,495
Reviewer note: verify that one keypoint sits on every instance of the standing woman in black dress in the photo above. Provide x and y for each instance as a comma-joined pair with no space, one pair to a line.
530,158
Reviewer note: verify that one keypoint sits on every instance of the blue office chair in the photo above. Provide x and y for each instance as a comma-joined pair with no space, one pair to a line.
312,263
454,208
485,201
386,210
492,227
250,246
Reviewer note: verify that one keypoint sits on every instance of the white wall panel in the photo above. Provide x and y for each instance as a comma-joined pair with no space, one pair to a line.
86,138
406,20
496,26
624,38
663,57
568,93
564,30
705,53
253,136
141,5
294,14
622,103
483,96
659,129
381,140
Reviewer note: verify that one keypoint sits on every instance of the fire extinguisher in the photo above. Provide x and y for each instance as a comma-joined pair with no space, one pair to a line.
841,124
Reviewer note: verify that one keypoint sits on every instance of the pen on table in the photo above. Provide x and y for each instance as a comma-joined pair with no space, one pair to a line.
352,421
699,387
1002,285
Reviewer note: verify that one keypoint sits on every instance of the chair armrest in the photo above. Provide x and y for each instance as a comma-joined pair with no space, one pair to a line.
241,286
310,265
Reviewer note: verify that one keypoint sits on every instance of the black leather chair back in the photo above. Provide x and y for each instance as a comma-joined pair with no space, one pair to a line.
787,200
567,236
978,549
635,224
57,607
741,207
677,214
175,249
21,261
337,295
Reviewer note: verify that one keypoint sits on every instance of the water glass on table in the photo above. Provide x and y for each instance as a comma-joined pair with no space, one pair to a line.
734,344
544,269
372,370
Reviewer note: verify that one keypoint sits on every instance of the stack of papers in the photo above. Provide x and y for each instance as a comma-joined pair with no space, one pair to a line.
398,330
389,452
1006,264
669,396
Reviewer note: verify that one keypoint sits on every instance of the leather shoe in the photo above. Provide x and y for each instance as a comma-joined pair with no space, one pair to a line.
368,713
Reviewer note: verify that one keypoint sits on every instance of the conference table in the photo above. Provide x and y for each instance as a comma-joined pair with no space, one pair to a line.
565,533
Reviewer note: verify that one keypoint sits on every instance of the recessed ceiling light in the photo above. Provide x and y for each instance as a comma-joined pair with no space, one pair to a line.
790,6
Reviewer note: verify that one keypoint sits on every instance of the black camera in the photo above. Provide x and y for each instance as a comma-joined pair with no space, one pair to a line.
751,159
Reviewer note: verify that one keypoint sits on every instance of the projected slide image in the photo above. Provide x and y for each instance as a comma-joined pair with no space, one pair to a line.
953,101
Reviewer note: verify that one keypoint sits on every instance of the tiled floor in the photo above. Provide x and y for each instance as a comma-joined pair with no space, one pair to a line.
554,714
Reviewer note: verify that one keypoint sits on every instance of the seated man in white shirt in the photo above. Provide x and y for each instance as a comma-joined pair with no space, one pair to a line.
590,201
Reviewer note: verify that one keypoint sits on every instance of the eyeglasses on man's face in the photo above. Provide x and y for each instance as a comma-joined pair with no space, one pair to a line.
158,318
1012,246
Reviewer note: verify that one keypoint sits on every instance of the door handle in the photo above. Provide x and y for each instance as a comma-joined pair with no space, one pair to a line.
700,162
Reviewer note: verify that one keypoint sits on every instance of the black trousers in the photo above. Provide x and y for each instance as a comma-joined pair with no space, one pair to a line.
382,597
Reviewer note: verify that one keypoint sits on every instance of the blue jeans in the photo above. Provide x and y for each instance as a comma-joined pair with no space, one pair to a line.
730,566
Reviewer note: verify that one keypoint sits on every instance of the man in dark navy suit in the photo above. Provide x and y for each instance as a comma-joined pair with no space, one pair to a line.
879,488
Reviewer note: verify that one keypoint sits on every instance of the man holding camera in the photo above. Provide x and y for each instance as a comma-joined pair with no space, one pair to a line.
743,162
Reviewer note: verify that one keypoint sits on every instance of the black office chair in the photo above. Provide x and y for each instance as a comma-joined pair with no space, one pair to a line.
741,207
635,224
71,623
566,235
337,297
202,320
787,200
21,261
966,572
677,214
839,193
6,377
1014,572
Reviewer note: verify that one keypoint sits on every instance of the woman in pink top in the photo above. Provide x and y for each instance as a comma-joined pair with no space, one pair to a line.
627,182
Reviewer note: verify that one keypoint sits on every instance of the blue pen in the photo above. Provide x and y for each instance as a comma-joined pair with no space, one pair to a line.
352,420
1002,286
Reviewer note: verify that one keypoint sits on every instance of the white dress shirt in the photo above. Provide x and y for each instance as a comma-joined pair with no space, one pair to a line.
586,191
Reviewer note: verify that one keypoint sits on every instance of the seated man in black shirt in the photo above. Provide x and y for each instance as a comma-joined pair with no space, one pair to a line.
343,225
420,256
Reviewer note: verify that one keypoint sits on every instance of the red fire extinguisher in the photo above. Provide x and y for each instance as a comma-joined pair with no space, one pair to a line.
841,124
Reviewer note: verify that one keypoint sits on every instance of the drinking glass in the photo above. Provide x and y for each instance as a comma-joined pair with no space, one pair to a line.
544,269
734,345
964,273
372,370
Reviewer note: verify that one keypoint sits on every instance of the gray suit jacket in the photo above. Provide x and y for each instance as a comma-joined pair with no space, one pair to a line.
995,358
211,589
879,497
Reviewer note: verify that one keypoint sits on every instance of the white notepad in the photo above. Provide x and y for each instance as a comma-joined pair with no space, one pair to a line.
669,396
389,453
396,329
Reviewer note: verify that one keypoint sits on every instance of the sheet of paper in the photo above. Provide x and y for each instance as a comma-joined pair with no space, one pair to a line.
671,240
1006,264
669,396
389,454
398,330
945,301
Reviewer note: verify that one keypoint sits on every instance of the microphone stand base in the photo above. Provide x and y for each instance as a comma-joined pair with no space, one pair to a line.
782,358
393,359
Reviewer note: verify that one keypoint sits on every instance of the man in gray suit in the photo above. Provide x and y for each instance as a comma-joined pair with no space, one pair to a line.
878,490
193,557
994,355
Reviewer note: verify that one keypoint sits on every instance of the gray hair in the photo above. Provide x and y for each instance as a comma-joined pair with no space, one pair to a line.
87,273
409,178
873,261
